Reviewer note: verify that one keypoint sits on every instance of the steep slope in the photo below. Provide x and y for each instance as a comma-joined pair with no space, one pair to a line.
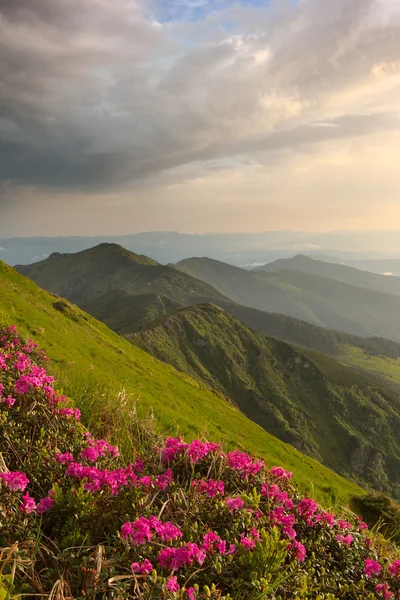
316,299
89,274
323,408
343,273
125,313
85,352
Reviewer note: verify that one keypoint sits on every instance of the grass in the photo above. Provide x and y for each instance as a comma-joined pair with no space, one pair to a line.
87,355
382,366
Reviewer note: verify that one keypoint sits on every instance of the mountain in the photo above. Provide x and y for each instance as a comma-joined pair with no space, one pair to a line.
323,408
92,273
320,300
343,273
126,313
242,249
110,378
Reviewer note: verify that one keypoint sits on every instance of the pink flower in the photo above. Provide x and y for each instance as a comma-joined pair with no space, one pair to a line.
68,413
139,531
281,473
175,558
326,519
372,567
191,593
234,504
174,447
15,480
198,450
395,568
210,487
247,542
383,590
64,458
9,401
143,568
90,454
164,480
28,504
307,508
345,539
241,461
298,550
44,505
172,584
344,524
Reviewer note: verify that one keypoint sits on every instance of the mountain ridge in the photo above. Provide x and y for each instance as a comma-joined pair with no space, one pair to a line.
304,398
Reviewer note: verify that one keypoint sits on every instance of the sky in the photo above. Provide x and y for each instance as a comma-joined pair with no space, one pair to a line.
198,115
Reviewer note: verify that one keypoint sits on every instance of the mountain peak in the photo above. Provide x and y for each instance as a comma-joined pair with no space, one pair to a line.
111,249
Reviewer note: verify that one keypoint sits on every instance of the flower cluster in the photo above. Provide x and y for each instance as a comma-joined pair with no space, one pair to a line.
190,523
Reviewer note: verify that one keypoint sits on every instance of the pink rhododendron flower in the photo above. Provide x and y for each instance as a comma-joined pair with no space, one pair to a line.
234,503
44,505
372,567
64,458
143,568
343,525
281,473
175,558
28,504
242,462
298,550
383,590
15,480
326,519
395,568
9,401
69,413
247,542
198,450
345,539
210,487
307,508
172,584
174,447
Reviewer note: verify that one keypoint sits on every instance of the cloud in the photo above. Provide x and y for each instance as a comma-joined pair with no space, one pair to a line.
101,96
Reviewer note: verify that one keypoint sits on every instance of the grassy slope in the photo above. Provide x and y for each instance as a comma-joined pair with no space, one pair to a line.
321,407
384,367
343,273
124,312
316,299
77,343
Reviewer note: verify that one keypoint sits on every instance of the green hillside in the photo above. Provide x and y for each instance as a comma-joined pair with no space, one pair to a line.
92,273
87,354
316,299
343,273
308,400
124,312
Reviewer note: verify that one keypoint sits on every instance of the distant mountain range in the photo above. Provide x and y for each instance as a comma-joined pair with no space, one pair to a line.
241,249
343,273
319,300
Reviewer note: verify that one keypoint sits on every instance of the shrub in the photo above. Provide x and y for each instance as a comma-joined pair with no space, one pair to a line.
184,520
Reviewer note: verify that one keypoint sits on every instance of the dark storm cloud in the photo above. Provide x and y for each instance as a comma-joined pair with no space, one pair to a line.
95,94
